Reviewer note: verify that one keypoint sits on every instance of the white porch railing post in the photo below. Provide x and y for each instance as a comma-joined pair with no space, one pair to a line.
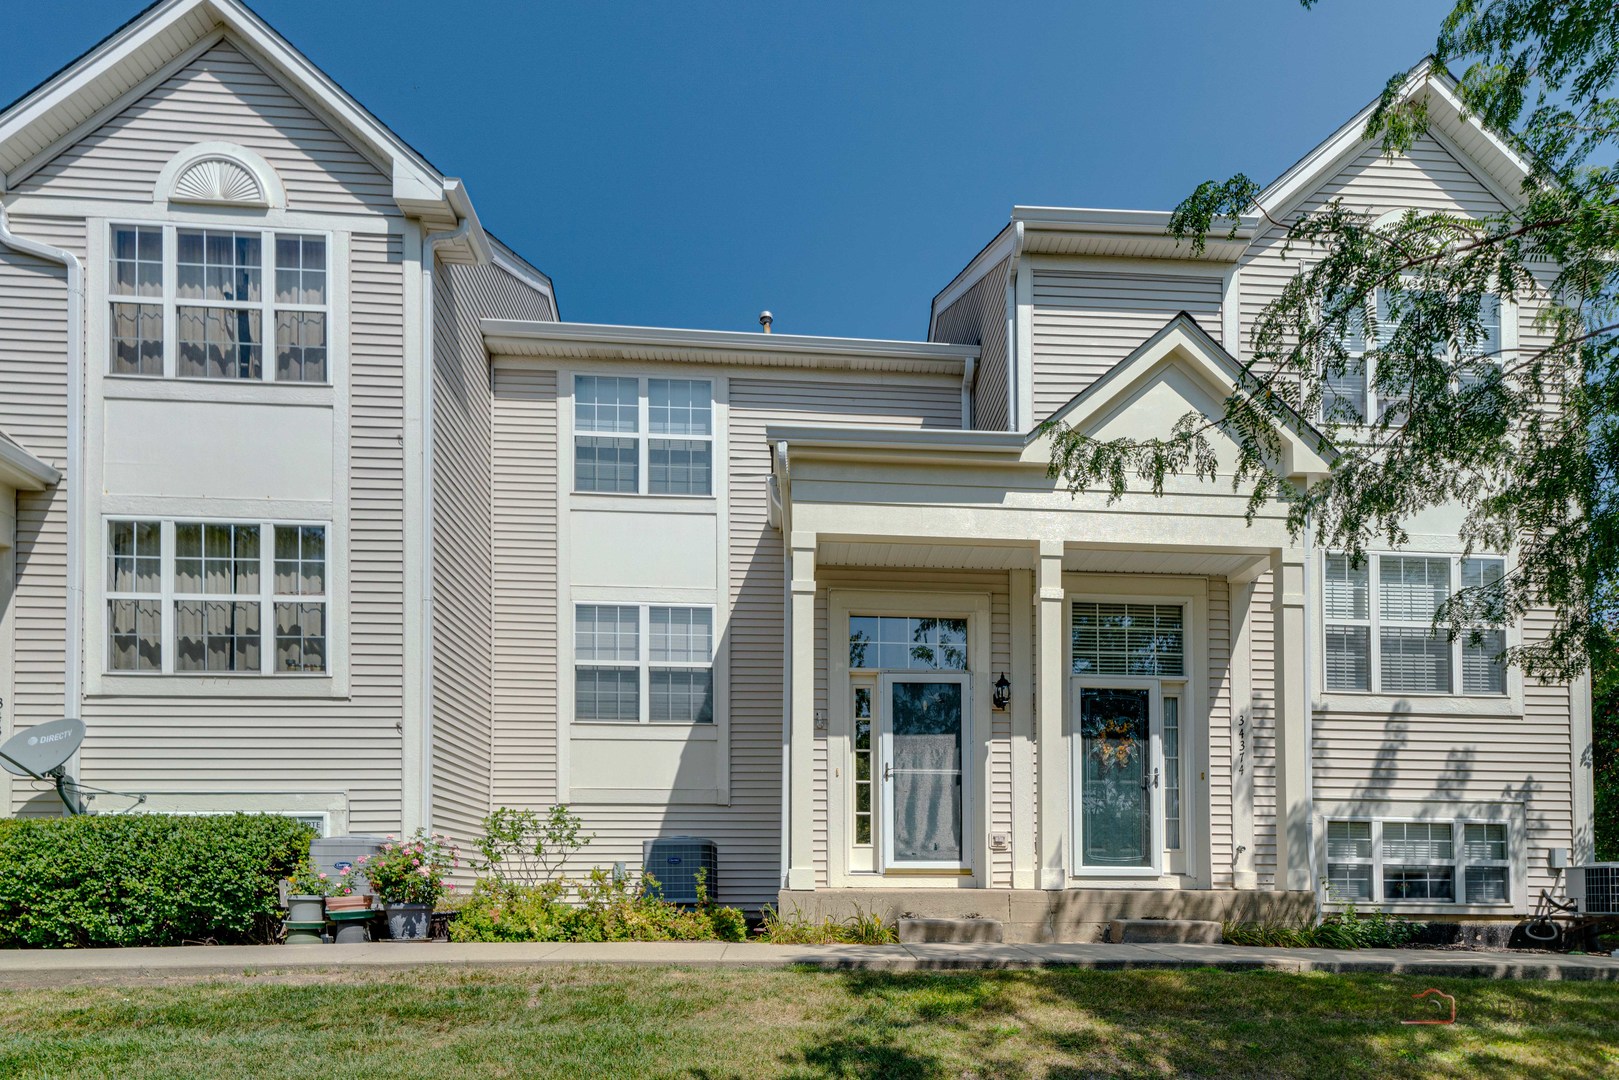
1050,675
801,712
1292,771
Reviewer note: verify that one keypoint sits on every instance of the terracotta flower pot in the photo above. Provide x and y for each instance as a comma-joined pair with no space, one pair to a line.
353,902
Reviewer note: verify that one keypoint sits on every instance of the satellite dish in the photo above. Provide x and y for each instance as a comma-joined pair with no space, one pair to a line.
42,748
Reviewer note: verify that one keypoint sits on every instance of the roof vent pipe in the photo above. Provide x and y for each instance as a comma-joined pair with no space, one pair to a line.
765,319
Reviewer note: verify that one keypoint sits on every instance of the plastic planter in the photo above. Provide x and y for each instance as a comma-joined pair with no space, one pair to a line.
409,922
306,909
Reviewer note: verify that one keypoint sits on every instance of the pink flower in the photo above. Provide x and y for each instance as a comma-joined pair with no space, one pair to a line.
323,877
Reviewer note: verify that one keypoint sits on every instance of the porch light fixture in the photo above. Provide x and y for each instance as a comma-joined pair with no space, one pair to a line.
1003,693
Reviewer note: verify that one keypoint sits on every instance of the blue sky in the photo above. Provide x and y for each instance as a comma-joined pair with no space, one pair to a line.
687,164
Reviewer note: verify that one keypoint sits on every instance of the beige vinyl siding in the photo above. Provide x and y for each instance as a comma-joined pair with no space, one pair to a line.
33,411
978,317
1086,321
1262,731
240,744
464,632
525,596
1428,178
221,95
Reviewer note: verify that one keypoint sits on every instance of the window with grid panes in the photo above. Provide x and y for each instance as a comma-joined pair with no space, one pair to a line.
1428,862
198,597
1378,626
668,681
1128,639
902,643
669,452
192,302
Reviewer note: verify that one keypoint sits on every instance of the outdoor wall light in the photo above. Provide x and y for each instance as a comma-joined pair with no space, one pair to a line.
1003,693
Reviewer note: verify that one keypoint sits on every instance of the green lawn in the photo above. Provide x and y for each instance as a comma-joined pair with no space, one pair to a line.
615,1021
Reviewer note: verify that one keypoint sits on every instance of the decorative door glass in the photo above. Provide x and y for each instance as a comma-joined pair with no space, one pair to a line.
1116,773
925,764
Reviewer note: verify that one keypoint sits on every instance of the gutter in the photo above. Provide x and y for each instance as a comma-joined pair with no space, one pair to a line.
1309,708
430,245
969,377
73,658
784,492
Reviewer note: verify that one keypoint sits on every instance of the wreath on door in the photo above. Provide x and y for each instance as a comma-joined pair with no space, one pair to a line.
1116,743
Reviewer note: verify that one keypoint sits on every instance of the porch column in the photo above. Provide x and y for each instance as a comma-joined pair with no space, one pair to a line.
1049,675
1242,733
801,711
1025,853
1292,727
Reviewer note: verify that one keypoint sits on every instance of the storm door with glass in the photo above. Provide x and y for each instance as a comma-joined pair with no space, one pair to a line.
1129,683
911,741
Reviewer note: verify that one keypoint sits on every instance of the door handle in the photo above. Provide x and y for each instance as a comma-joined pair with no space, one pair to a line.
888,770
1149,781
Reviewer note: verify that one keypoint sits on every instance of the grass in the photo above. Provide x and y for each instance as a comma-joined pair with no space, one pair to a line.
711,1024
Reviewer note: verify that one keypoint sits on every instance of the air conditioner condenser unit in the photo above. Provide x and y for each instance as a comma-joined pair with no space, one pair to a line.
1594,887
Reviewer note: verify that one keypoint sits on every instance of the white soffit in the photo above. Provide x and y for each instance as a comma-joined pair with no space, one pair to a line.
22,470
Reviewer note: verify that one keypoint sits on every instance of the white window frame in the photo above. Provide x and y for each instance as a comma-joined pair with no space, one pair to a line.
643,434
1374,622
643,664
1372,406
171,303
266,598
1459,863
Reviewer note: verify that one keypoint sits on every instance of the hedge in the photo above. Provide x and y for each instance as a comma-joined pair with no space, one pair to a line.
144,879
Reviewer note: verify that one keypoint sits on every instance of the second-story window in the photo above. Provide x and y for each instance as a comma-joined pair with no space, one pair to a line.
643,436
206,303
1379,626
1352,397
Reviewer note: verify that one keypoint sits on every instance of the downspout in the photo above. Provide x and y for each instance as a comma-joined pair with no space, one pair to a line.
784,490
1012,367
73,658
430,245
969,376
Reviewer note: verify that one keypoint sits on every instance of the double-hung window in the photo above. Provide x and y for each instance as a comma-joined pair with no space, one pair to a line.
1379,630
216,303
1444,862
1351,397
636,436
212,597
649,663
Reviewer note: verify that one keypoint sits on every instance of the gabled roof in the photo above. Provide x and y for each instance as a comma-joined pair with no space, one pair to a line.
22,470
145,50
1500,167
1180,342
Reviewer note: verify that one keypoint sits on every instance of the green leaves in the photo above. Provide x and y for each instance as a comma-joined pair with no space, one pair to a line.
144,879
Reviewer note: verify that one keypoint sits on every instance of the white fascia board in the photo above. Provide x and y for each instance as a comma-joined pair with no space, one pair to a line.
524,338
1320,163
415,180
1227,240
21,470
899,438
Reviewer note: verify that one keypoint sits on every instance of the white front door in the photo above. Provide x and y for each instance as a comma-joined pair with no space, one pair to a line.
1118,775
921,766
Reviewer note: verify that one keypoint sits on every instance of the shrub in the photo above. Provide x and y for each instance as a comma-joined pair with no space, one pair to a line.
523,847
144,879
861,928
306,880
608,909
1347,929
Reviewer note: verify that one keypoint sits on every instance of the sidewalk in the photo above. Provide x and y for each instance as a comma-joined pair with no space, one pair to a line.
44,967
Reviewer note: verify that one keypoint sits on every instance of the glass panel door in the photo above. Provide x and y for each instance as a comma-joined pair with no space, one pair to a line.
923,759
1118,775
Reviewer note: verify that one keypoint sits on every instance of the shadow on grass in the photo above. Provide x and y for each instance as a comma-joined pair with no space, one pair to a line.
1075,1023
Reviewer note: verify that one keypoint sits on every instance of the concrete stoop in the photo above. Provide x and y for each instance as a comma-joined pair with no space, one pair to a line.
951,931
1033,916
1163,931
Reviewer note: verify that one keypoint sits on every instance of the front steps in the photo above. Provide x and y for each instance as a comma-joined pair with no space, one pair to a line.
1027,916
1164,932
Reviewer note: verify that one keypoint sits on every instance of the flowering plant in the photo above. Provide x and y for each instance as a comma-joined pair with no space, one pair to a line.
308,881
410,871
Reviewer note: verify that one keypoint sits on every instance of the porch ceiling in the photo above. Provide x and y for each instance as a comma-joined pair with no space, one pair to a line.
1088,560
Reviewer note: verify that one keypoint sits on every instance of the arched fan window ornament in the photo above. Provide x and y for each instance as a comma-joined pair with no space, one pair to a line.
220,174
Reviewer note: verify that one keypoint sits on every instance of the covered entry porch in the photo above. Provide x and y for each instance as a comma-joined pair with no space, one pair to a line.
999,692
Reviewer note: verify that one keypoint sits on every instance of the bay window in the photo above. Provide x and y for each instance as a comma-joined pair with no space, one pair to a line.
1379,632
668,680
1434,862
203,597
636,436
205,303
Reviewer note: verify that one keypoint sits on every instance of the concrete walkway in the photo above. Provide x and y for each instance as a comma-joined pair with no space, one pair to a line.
43,967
